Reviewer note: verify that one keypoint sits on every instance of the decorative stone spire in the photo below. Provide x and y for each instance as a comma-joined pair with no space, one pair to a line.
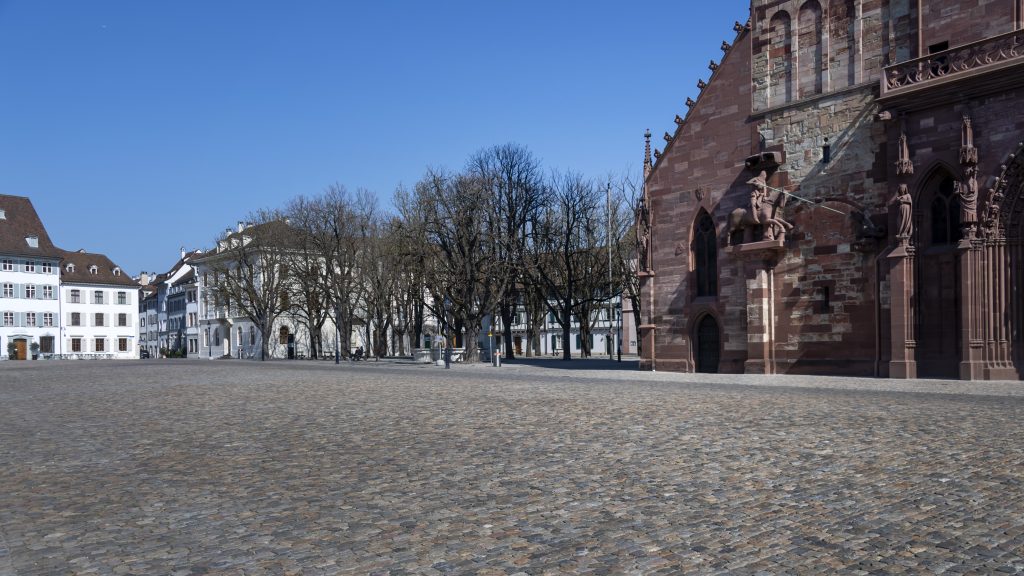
679,120
690,102
667,137
701,84
647,153
713,66
904,165
726,46
968,153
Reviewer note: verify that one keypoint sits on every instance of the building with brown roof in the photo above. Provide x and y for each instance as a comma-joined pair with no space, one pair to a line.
100,307
844,196
55,303
29,282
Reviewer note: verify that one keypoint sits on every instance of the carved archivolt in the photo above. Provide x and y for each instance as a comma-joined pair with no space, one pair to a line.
1003,211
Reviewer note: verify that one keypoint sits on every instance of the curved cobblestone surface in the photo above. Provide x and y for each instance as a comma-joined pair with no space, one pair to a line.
178,467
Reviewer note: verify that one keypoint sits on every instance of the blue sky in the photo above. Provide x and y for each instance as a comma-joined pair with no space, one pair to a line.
137,127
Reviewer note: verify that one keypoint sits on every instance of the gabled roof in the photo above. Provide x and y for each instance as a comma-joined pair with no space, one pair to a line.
20,222
82,267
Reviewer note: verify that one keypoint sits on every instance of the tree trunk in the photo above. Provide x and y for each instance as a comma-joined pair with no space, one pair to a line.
566,331
507,316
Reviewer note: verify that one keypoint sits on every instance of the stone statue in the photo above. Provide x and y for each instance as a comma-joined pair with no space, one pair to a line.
643,235
905,216
968,193
758,192
764,213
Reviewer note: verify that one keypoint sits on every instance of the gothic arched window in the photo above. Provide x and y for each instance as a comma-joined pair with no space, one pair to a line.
945,212
705,256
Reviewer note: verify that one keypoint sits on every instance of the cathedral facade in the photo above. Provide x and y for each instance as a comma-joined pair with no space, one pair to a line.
844,196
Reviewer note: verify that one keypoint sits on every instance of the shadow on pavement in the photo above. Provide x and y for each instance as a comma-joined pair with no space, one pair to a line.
576,363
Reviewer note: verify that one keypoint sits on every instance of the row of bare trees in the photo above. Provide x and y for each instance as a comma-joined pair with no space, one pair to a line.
501,236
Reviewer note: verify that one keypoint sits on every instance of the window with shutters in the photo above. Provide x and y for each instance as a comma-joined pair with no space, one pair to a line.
48,292
76,318
99,319
47,268
122,319
122,297
30,319
8,318
122,344
30,266
76,296
8,290
76,344
97,297
48,319
7,265
100,345
30,291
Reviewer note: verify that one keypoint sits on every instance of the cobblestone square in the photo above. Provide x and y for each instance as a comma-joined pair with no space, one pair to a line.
227,467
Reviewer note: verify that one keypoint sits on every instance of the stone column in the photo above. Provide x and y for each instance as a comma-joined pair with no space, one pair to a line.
759,260
971,340
646,332
902,332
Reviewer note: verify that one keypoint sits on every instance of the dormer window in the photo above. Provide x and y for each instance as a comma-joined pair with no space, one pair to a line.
117,271
32,241
70,268
3,215
94,269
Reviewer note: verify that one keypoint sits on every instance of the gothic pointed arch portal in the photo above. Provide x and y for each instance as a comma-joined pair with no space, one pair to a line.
938,282
707,344
1003,233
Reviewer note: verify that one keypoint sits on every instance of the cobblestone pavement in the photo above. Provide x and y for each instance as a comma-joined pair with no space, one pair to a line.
227,467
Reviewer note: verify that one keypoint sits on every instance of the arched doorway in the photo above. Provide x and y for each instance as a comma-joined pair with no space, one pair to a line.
707,345
938,277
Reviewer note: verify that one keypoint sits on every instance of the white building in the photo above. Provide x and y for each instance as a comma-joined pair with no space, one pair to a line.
29,282
100,307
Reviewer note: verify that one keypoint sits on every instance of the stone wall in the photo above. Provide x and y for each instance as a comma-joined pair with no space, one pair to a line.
965,21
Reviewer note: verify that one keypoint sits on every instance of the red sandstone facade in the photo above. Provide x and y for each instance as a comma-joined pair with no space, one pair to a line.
819,115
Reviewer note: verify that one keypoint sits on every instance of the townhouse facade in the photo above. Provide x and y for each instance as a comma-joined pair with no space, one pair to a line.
55,303
29,282
100,308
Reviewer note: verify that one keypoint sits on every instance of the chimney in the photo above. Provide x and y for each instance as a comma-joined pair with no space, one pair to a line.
182,251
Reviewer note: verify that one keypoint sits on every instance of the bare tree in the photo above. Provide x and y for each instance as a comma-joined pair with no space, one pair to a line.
566,260
414,253
455,218
336,227
309,293
514,181
380,266
250,272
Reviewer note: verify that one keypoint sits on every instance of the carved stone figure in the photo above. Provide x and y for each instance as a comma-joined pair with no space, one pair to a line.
968,193
643,234
905,215
757,194
763,214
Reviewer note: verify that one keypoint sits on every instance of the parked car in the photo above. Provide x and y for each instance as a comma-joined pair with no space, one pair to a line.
143,353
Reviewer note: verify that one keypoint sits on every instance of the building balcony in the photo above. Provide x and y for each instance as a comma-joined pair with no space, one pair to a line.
975,67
